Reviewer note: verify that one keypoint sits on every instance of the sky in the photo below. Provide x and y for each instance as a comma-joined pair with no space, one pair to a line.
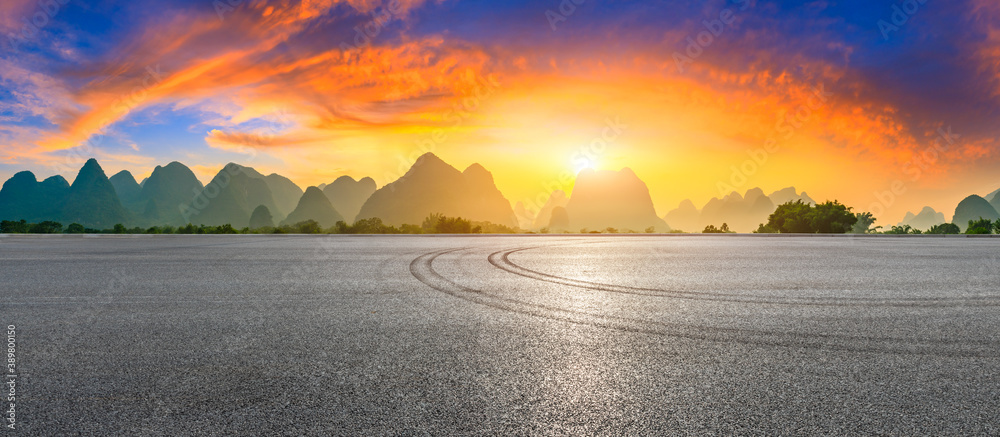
887,106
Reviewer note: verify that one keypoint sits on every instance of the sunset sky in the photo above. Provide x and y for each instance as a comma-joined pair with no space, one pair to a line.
529,89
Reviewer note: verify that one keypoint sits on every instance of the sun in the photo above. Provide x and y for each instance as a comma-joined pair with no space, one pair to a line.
583,163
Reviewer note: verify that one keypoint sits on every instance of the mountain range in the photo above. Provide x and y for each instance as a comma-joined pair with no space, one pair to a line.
243,197
743,213
923,220
432,186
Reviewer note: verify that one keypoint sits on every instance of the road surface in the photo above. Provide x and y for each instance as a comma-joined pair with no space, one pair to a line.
496,335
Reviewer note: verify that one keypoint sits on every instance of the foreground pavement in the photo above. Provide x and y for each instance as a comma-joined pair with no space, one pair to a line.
544,335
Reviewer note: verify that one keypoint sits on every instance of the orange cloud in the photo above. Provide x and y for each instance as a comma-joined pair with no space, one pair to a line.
203,56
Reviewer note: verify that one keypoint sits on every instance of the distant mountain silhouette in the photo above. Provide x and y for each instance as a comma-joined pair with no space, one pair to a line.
128,190
92,200
166,191
558,219
617,199
24,198
789,195
992,196
432,186
994,199
286,193
348,195
686,217
741,213
557,199
924,220
973,208
231,197
261,218
524,218
314,205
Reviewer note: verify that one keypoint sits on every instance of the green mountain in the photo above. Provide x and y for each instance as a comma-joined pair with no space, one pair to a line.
973,208
230,198
165,192
24,198
314,206
128,190
92,200
432,186
348,195
261,218
285,192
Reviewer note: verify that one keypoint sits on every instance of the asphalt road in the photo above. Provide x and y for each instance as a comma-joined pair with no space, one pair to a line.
536,335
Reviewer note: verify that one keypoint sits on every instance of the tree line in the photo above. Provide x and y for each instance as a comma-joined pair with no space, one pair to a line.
433,224
833,217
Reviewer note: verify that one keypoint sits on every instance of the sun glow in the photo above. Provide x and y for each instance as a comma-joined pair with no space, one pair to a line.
583,163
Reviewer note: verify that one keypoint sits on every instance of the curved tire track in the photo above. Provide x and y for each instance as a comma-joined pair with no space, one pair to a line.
423,270
501,260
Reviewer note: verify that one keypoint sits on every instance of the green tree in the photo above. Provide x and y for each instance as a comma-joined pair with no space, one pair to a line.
46,227
411,229
119,229
832,218
765,229
452,225
981,226
75,228
801,218
864,223
430,223
225,229
944,228
372,225
12,227
903,230
711,229
308,227
791,218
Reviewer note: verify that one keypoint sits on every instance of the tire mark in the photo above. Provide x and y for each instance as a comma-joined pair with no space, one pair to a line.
422,269
502,261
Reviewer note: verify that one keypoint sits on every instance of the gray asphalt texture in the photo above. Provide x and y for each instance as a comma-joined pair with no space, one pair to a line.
493,335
